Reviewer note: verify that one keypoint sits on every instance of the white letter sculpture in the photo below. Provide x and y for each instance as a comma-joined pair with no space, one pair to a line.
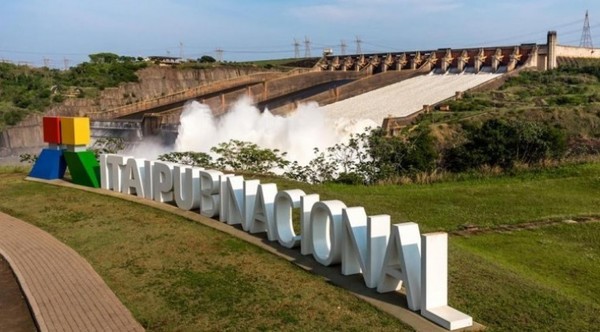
132,181
285,201
186,187
326,231
209,192
365,241
402,263
434,284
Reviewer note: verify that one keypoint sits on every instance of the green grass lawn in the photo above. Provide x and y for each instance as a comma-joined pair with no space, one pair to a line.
177,275
565,192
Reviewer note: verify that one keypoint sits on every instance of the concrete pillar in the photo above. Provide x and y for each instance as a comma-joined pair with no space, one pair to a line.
415,61
514,59
479,60
401,62
496,59
446,60
551,62
462,61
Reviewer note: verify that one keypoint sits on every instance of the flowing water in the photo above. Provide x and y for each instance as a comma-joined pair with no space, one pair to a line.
309,126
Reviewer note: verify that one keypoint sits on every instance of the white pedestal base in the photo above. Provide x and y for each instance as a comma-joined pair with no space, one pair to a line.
448,317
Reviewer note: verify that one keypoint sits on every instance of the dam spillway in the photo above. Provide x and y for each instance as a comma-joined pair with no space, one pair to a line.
406,97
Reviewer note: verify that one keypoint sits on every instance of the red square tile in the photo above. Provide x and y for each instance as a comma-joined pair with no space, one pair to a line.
51,130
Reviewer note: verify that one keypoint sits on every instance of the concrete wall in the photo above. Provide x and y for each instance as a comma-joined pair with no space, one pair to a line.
577,52
270,89
180,96
154,83
26,137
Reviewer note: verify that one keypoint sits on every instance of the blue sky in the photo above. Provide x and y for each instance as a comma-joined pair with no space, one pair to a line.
31,30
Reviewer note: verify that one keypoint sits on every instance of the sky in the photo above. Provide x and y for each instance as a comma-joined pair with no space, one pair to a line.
67,31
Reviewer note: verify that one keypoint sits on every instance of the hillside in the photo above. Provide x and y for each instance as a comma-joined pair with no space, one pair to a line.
567,99
106,81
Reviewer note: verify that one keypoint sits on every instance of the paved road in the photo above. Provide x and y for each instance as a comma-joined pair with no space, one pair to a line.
64,291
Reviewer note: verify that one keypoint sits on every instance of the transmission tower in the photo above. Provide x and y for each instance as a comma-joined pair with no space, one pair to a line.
586,35
66,63
358,41
296,48
343,46
219,53
46,62
306,47
181,50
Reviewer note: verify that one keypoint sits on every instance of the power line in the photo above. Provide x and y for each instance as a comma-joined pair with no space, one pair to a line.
343,46
306,47
296,48
219,53
358,41
586,35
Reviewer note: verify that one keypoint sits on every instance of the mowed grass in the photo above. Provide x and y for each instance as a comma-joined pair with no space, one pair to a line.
560,193
177,275
543,279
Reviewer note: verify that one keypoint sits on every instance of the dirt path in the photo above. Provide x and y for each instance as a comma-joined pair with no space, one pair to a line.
474,230
14,312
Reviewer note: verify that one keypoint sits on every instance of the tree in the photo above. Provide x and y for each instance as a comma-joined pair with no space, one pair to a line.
501,143
190,158
246,156
104,57
207,59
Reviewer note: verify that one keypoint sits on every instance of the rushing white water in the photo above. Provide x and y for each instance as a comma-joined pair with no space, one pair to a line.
406,97
309,126
297,134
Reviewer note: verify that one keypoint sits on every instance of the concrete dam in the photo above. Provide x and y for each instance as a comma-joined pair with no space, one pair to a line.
383,87
412,79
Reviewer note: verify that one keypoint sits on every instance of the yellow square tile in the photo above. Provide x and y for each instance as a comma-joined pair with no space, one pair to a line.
75,131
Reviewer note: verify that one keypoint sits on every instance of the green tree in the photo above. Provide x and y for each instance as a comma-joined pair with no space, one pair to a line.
190,158
238,155
103,58
207,59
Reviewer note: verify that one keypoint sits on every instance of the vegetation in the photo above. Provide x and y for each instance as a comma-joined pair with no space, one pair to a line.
234,155
177,275
502,144
24,90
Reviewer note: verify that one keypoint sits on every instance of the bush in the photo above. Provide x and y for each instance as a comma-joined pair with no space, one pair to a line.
500,143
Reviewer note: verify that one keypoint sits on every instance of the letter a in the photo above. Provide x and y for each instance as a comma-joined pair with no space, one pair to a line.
402,262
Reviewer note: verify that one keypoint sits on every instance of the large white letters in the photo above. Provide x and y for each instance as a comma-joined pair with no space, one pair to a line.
250,191
186,187
306,204
235,199
209,192
110,171
388,256
434,284
263,211
402,263
162,178
365,241
285,201
133,177
326,231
